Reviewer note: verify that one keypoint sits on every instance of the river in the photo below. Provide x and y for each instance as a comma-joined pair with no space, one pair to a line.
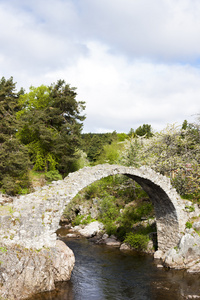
105,273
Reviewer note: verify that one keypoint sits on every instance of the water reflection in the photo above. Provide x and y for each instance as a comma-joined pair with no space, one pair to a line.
105,273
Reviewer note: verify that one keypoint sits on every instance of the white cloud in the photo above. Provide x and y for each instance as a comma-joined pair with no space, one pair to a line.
121,95
160,29
133,62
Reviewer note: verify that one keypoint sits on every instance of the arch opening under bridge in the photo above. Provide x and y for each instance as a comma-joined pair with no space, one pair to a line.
168,206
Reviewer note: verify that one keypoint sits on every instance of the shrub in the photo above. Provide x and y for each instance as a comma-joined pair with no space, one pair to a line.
111,228
137,240
81,219
53,175
190,208
144,210
87,220
92,191
10,185
108,209
188,225
78,220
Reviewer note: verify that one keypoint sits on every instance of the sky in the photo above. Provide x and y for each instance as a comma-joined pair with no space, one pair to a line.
133,62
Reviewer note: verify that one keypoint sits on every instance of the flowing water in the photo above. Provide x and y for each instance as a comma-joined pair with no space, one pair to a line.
105,273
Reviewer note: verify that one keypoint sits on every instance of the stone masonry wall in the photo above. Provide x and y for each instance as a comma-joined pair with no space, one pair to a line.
35,217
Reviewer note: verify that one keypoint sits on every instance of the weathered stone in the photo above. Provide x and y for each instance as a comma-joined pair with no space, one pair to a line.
105,236
186,255
196,225
91,229
112,242
158,254
63,261
72,235
125,247
26,272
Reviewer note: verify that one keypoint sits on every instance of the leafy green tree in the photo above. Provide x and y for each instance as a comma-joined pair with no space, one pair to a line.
14,161
93,144
131,133
131,156
110,153
144,130
52,123
185,125
121,137
95,148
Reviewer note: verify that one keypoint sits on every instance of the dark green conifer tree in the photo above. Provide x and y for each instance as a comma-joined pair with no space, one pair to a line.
14,161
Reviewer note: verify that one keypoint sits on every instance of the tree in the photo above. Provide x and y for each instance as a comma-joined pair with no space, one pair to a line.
93,144
14,161
173,152
110,153
144,130
131,133
121,137
185,125
52,123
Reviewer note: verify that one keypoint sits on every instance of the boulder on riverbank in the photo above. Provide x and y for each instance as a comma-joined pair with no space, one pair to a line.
89,230
24,272
185,256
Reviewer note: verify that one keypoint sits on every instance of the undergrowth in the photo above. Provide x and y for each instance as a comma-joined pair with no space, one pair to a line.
121,204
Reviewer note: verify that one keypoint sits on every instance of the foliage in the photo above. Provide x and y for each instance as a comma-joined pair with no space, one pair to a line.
92,191
121,137
131,156
188,225
190,208
14,160
145,130
137,240
51,125
174,152
114,196
134,212
110,153
81,160
83,220
53,176
111,228
93,144
108,208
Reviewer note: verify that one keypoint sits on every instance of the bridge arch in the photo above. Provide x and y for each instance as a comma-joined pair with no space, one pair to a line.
36,216
168,206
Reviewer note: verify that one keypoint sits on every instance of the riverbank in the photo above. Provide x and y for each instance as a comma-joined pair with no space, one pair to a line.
25,272
96,233
186,256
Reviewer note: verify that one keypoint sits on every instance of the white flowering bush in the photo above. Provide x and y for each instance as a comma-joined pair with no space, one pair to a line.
174,152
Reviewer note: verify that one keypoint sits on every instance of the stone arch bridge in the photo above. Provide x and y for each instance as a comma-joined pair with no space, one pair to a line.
35,217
